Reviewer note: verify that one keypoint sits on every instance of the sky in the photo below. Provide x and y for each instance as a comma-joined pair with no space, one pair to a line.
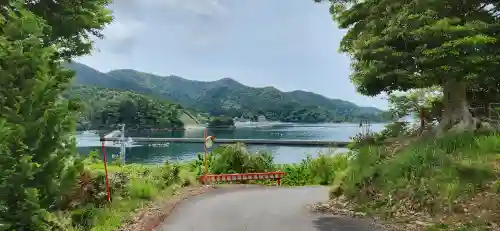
287,44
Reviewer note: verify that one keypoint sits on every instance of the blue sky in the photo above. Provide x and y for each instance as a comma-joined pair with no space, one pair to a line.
288,44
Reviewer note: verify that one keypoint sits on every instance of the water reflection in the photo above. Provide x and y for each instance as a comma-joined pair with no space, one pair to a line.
145,153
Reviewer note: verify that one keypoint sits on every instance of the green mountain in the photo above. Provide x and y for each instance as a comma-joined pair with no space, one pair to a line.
104,108
228,97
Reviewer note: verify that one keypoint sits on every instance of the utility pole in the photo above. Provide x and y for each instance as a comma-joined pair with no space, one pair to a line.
122,146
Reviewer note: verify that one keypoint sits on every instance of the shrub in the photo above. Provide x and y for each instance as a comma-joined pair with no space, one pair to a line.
237,159
221,122
437,176
394,129
324,167
312,171
85,218
142,190
130,186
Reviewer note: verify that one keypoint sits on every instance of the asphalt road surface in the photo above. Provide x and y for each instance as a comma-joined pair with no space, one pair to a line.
258,209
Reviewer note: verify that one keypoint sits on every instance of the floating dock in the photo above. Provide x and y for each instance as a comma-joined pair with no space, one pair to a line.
280,142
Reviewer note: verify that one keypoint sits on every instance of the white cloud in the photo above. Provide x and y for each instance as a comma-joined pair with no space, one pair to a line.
200,7
192,20
122,30
139,7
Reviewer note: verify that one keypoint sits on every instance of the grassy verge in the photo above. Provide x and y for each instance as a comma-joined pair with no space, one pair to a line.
133,187
450,183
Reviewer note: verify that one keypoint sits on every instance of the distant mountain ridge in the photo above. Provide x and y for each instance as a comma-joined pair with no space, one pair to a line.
229,97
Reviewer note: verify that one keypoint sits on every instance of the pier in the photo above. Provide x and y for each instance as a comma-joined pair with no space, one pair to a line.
280,142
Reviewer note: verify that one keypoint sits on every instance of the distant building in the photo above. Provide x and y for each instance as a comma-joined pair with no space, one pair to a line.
262,118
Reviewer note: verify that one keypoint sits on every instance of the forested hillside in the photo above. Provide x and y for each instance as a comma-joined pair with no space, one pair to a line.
230,98
105,109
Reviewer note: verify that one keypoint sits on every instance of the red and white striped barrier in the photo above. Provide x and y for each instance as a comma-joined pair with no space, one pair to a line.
219,178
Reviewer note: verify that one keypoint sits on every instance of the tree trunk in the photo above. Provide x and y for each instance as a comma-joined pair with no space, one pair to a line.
456,115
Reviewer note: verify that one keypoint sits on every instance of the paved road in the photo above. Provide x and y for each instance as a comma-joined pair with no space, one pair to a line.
257,209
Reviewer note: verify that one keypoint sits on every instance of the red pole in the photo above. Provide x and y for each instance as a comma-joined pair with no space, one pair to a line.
205,149
106,170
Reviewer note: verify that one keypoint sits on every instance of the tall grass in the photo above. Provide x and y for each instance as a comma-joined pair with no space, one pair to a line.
236,158
132,186
435,176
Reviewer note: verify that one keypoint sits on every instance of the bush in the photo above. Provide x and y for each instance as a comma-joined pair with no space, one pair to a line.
435,176
221,122
129,184
237,159
85,218
313,171
394,129
142,190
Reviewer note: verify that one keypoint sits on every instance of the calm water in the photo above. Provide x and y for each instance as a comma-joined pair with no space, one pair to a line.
144,153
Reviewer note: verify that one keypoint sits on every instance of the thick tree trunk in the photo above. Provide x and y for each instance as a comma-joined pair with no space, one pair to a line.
456,115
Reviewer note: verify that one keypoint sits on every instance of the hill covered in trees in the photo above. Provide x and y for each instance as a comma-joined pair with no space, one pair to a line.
227,97
106,108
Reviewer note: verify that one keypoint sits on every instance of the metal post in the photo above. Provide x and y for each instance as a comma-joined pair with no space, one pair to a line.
122,147
205,149
108,191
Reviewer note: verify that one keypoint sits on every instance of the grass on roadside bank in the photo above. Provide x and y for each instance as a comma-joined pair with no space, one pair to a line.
236,158
452,183
132,187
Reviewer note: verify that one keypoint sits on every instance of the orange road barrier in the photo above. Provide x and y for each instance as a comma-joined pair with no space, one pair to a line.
215,178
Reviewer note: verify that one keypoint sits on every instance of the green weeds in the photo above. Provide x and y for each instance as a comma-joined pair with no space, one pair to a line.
452,178
132,186
320,170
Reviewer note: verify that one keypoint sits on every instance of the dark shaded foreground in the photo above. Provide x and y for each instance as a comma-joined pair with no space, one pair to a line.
258,209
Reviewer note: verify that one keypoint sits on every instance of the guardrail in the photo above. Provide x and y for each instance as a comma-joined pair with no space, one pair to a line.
281,142
223,178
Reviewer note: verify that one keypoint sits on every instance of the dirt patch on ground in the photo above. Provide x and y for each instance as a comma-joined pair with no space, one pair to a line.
407,220
344,208
150,217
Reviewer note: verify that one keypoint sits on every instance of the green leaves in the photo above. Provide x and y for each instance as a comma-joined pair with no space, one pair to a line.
416,44
105,108
36,126
414,101
71,23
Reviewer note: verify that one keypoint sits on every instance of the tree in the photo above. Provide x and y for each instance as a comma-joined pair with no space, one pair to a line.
403,45
220,121
134,110
416,101
71,24
37,148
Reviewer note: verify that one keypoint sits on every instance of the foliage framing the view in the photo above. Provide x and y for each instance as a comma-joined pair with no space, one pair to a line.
36,143
403,45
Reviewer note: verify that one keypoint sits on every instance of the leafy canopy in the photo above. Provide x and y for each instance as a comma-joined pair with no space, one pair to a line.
36,144
402,45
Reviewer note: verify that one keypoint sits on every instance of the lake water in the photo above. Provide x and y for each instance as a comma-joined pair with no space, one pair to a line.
149,154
